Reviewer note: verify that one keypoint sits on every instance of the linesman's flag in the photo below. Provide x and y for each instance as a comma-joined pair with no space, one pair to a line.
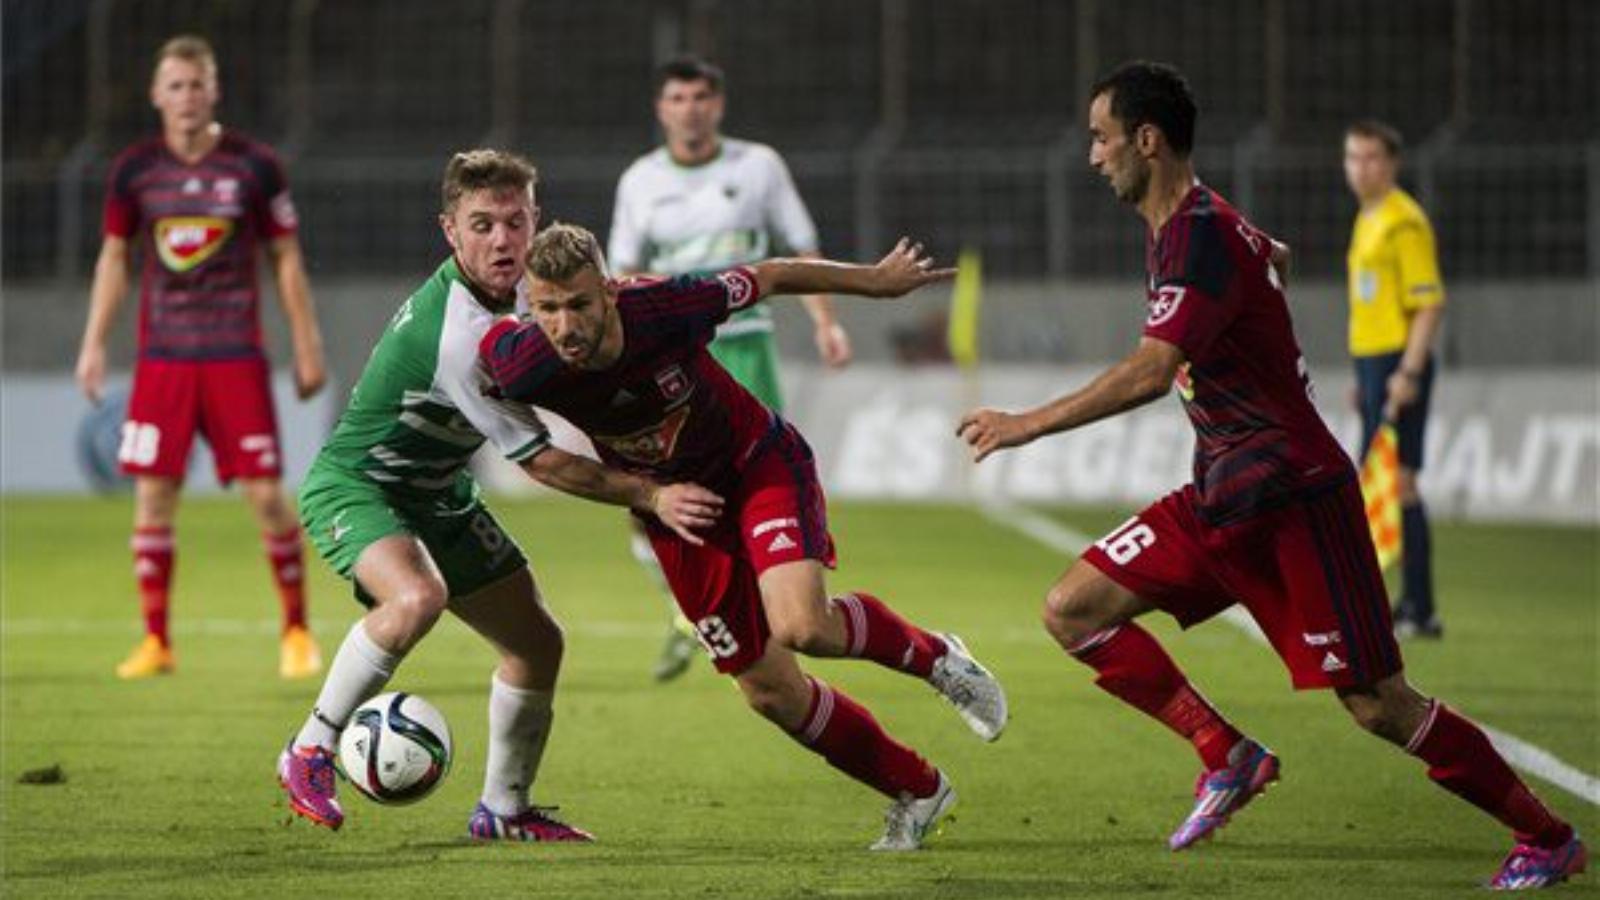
965,300
1380,487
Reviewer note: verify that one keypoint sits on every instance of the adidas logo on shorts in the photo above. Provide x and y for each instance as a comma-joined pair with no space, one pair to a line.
1331,663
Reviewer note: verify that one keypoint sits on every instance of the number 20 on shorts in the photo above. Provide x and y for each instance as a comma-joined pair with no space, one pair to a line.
1127,541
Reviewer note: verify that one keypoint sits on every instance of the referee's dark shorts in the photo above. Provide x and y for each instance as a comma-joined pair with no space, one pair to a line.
1372,388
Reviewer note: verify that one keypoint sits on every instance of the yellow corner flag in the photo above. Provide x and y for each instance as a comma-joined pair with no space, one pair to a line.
964,302
1380,487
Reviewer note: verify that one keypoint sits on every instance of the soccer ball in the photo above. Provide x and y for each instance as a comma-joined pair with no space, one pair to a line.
396,748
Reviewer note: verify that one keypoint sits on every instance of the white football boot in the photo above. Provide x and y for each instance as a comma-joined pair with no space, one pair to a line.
909,819
976,694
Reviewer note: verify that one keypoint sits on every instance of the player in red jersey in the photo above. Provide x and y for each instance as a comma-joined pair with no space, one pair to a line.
1273,519
199,201
628,366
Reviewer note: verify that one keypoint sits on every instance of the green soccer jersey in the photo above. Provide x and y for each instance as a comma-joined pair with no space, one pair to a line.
419,411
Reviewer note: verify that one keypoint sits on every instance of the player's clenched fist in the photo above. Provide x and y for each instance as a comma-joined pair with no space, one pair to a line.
685,507
988,430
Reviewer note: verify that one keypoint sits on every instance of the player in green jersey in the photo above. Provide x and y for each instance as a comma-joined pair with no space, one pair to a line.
390,503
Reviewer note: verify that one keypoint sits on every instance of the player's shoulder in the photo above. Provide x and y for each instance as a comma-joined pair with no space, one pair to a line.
741,152
646,168
137,156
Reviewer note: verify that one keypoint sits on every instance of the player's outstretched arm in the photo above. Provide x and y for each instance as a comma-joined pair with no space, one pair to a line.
905,269
681,507
294,292
110,284
1143,376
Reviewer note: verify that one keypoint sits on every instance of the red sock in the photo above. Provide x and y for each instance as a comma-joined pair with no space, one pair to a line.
284,554
1134,668
874,631
851,740
1462,761
153,552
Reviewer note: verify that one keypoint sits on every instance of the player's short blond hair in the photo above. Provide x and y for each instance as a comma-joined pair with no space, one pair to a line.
476,170
561,251
189,48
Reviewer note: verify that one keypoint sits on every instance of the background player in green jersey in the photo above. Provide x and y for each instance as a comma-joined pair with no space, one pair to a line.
391,505
704,202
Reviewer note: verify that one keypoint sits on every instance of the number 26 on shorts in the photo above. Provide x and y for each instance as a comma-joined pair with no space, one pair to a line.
1127,541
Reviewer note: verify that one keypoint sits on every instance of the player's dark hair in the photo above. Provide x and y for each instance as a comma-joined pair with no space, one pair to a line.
189,48
688,68
1380,131
562,251
1152,93
475,170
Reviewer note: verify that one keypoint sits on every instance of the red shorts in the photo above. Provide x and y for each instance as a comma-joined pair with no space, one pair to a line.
1306,573
776,514
228,401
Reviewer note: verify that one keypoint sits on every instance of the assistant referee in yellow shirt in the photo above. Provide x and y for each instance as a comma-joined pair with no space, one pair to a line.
1396,305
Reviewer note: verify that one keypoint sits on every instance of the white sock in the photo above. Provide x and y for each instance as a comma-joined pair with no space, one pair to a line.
360,670
519,725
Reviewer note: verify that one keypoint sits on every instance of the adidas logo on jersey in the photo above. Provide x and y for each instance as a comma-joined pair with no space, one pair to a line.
781,542
622,398
1332,663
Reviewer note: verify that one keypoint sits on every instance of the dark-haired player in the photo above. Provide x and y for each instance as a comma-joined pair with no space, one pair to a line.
1273,519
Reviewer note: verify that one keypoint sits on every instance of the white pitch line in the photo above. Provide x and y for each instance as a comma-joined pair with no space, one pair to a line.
1530,758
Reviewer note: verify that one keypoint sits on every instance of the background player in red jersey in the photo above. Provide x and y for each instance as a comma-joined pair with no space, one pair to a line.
629,367
1273,519
200,200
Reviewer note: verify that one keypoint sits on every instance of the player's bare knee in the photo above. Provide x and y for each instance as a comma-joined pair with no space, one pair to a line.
1067,614
420,605
774,702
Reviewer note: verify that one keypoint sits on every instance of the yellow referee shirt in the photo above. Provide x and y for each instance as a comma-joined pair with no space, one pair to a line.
1394,271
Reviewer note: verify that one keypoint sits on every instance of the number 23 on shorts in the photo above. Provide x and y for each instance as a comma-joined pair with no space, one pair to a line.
1127,541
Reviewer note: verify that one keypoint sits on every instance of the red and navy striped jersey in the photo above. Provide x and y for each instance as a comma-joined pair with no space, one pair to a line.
665,408
198,227
1259,442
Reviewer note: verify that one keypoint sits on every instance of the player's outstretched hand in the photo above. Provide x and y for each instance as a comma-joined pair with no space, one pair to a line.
686,507
905,269
988,430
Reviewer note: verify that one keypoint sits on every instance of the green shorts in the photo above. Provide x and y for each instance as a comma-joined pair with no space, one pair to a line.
752,360
344,514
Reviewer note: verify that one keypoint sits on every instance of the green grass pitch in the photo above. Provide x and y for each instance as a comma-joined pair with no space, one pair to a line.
170,788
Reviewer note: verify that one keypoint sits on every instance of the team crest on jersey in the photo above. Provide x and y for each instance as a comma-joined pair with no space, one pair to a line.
227,190
650,446
184,242
1164,303
673,383
741,289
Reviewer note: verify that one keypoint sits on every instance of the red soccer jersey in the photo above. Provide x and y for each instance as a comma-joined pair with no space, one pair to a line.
665,408
1259,442
198,228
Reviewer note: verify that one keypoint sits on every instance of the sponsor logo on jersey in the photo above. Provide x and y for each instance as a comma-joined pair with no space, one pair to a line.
184,242
772,524
650,446
673,383
1164,303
